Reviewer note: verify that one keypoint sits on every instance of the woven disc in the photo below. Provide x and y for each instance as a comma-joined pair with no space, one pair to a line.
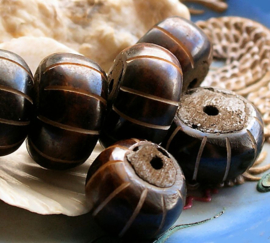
241,47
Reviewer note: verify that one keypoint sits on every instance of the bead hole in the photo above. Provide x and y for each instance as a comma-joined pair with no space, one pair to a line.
211,110
194,126
156,163
136,149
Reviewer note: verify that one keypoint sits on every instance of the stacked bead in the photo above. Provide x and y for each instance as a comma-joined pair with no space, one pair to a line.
214,135
70,97
16,101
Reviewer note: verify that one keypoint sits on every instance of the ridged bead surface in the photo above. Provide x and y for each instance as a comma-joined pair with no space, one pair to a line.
70,98
135,201
188,43
16,103
145,85
216,135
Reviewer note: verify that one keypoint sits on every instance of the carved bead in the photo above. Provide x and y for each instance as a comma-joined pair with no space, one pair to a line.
145,85
135,189
16,84
216,135
188,43
70,96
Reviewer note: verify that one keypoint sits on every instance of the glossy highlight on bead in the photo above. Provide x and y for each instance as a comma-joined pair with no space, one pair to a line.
188,43
135,189
216,135
70,100
145,84
16,101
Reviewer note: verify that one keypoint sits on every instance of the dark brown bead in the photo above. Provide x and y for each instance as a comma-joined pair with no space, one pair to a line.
16,84
135,189
188,43
145,85
216,135
70,98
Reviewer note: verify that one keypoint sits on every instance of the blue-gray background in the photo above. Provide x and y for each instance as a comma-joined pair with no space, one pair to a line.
258,10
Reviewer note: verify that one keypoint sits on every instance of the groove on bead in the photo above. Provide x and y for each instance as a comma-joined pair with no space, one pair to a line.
229,158
144,124
179,43
11,145
16,92
135,213
254,144
14,123
198,159
64,161
67,127
148,96
73,64
110,197
259,121
156,58
103,167
164,214
29,74
75,91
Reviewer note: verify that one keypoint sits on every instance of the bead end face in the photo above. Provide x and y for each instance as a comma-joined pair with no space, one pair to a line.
215,111
152,164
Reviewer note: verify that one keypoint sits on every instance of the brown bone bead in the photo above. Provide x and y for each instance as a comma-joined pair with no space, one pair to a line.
188,43
145,85
135,189
16,103
216,135
70,98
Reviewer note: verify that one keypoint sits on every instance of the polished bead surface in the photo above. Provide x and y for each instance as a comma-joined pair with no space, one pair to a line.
135,189
145,85
70,99
188,43
216,135
16,102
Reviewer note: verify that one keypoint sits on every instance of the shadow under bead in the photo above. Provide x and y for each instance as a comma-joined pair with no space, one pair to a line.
188,43
70,98
145,84
16,102
216,135
135,189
